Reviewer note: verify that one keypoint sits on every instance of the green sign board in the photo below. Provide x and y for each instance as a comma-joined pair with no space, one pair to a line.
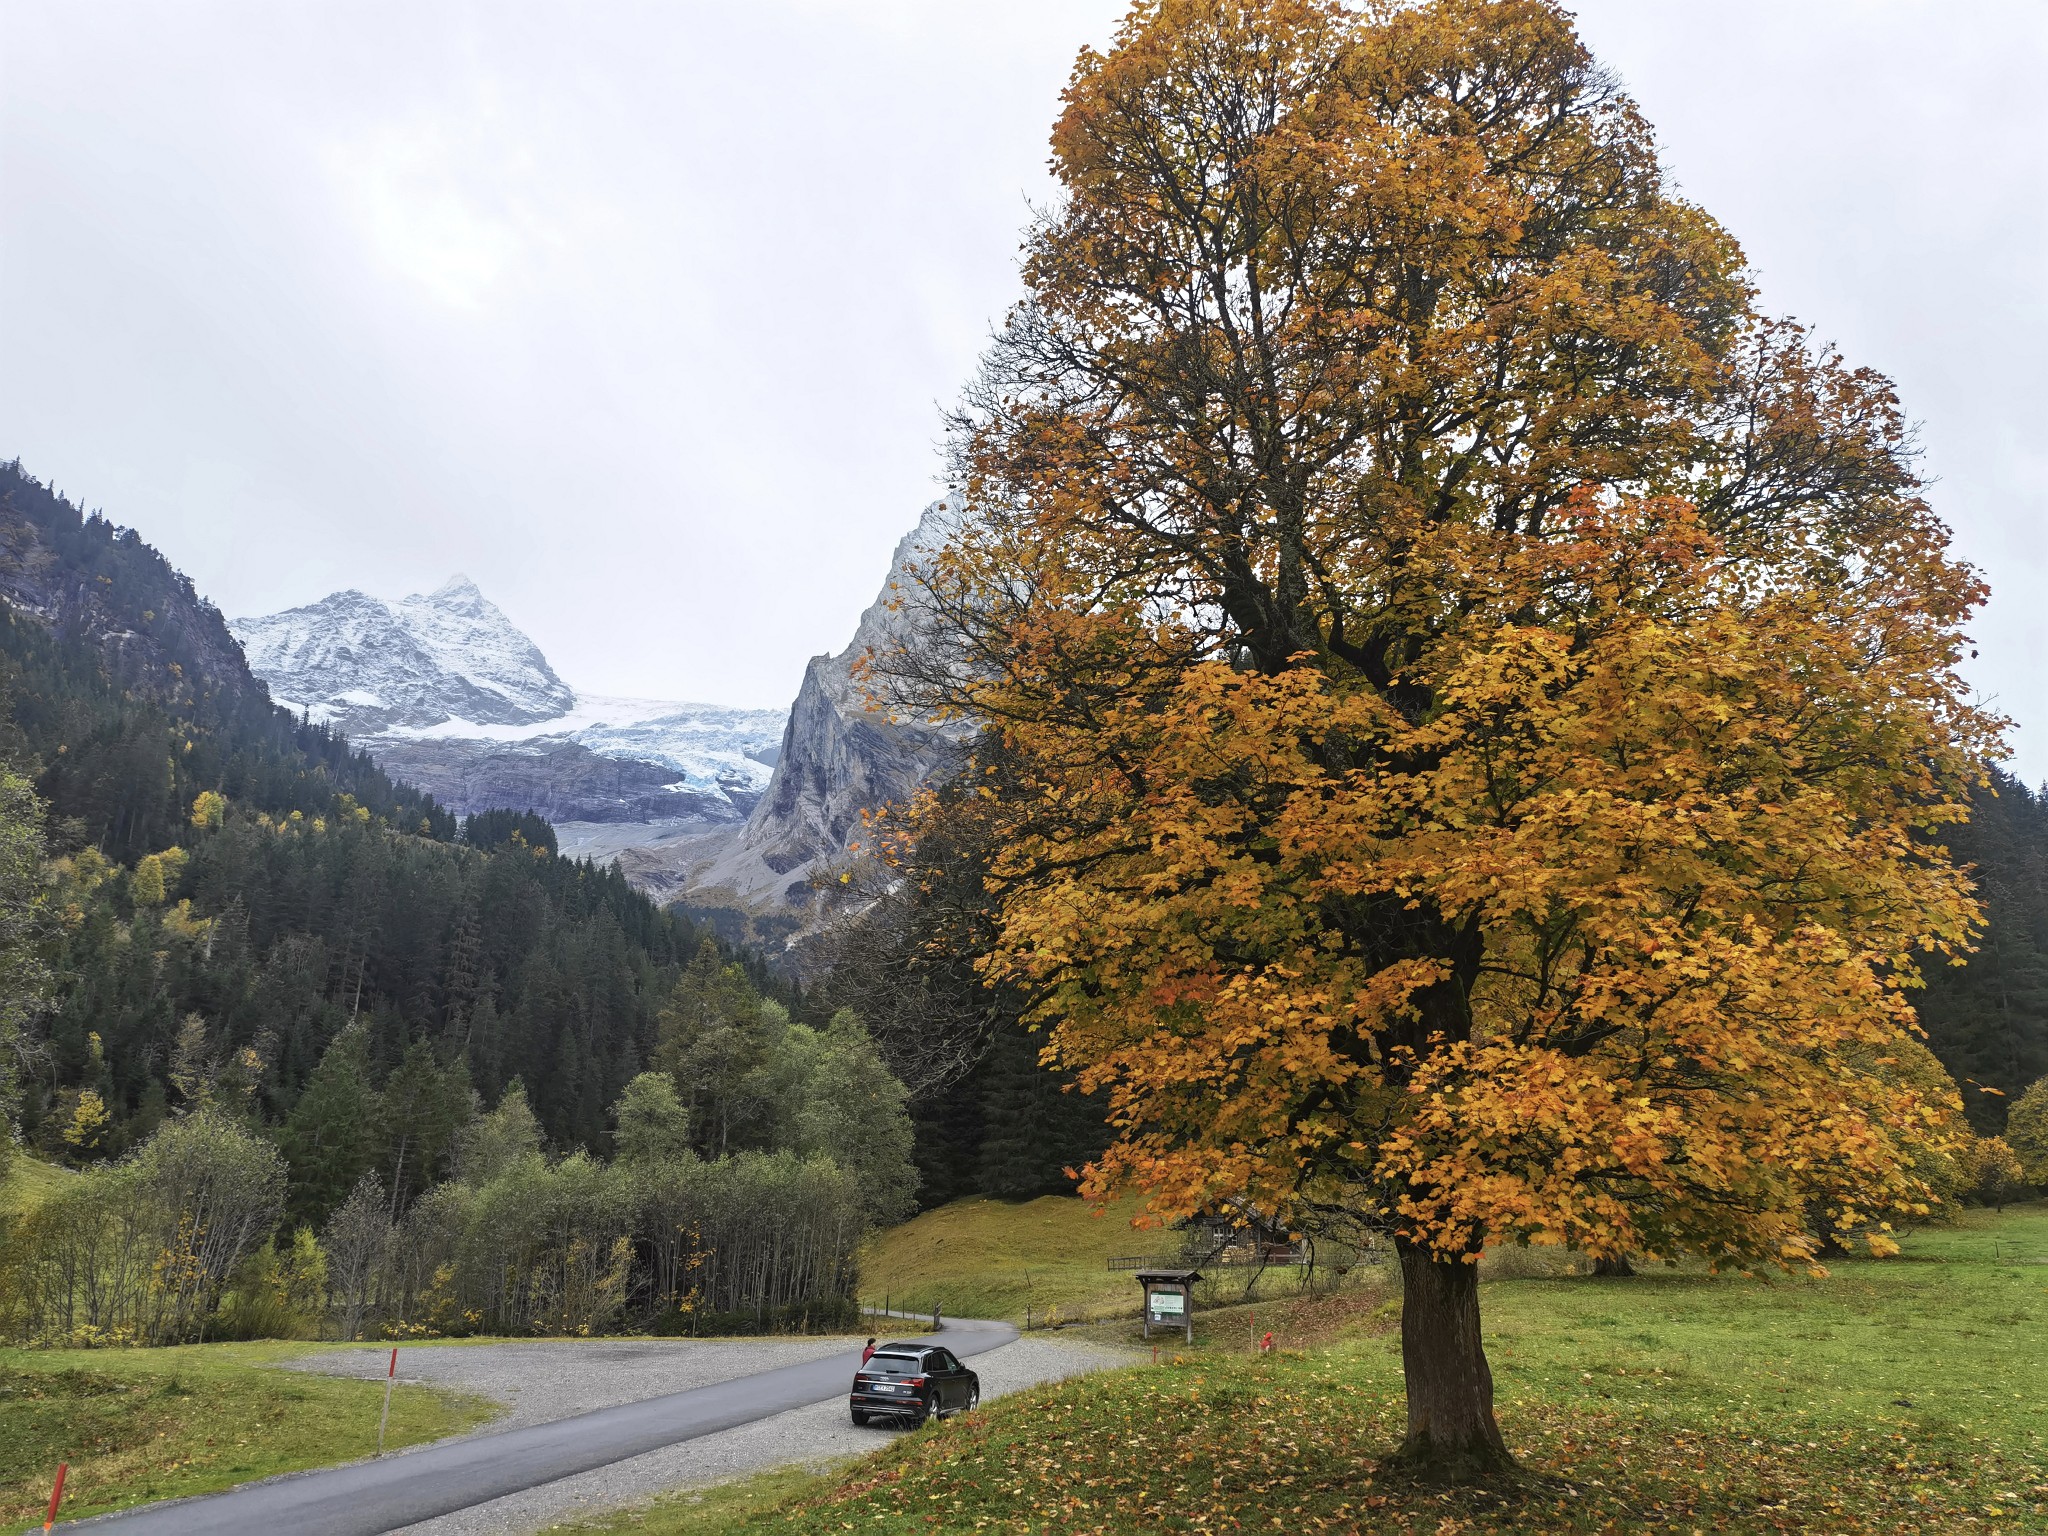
1168,1304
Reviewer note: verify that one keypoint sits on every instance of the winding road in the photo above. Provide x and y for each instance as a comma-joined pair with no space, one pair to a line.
366,1498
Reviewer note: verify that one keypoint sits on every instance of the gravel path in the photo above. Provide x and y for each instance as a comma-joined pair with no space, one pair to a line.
560,1378
545,1381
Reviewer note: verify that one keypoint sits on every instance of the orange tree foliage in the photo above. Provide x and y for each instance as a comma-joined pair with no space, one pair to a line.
1471,700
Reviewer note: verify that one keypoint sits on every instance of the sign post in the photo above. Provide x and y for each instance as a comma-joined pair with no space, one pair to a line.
390,1377
56,1494
1170,1300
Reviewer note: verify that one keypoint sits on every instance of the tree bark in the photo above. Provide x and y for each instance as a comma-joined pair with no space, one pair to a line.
1615,1268
1452,1436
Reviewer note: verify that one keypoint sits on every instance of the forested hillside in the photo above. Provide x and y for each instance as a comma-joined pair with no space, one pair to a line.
234,885
246,979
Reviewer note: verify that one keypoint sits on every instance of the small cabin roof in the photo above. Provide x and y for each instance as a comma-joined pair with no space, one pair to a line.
1169,1276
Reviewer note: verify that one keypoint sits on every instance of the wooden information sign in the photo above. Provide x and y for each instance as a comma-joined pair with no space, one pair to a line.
1170,1300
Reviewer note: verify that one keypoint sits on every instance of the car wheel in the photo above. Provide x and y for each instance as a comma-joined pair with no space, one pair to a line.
973,1397
927,1410
860,1419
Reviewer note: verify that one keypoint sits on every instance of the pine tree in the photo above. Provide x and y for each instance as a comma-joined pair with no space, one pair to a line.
1987,1019
709,1042
492,1143
1037,1128
651,1124
423,1109
332,1133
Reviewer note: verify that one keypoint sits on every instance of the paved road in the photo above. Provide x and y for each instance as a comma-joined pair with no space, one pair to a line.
367,1498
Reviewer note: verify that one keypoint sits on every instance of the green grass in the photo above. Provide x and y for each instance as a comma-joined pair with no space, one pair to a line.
143,1424
991,1258
1898,1395
27,1183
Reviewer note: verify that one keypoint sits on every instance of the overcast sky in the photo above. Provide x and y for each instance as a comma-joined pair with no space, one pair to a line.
642,315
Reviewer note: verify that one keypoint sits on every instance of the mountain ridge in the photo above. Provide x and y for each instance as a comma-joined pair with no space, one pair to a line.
365,666
841,754
739,811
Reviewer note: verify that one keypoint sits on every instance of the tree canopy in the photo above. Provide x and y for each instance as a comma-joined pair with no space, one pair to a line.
1470,698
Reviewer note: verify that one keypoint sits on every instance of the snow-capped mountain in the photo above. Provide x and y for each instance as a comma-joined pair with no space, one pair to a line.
368,666
734,809
447,693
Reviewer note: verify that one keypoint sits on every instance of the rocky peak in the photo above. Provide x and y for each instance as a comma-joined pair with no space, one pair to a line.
367,665
841,755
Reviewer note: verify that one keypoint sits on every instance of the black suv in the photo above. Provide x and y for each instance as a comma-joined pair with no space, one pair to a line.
914,1382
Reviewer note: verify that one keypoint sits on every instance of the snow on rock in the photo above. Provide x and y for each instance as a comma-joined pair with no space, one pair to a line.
366,666
448,694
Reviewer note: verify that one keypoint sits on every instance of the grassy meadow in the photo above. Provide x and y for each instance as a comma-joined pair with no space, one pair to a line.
1900,1395
144,1424
992,1258
26,1183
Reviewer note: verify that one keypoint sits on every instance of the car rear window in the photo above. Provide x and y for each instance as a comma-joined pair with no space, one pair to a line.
895,1365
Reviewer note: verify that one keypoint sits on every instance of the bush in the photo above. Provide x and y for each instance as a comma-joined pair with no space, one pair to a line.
1998,1178
2026,1131
279,1293
144,1250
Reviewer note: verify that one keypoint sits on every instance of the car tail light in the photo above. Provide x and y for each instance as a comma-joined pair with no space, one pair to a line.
913,1381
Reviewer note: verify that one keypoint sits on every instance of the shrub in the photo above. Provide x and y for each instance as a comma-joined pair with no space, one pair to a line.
145,1248
2026,1131
1998,1175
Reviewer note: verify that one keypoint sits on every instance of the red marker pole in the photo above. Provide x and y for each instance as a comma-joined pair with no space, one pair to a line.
390,1377
56,1493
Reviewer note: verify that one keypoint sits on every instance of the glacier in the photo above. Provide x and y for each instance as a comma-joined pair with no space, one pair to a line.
446,692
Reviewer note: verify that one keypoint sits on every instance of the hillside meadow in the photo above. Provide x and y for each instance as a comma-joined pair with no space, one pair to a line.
138,1425
1894,1395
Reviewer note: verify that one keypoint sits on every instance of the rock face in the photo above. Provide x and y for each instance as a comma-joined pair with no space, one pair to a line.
560,778
608,760
367,666
840,755
725,809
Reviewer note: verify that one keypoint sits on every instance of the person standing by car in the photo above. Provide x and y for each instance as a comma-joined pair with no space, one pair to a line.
869,1353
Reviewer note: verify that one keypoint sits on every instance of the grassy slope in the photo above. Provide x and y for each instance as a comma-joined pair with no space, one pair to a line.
1897,1396
146,1424
28,1183
987,1258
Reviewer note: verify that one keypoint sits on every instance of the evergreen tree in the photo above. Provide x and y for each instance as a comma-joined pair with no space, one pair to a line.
1988,1019
1037,1128
710,1041
24,975
652,1125
423,1109
491,1143
332,1133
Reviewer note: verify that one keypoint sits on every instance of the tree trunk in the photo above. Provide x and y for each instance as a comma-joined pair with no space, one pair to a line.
1452,1435
1615,1268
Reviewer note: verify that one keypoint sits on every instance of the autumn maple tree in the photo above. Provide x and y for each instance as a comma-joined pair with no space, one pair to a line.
1470,701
